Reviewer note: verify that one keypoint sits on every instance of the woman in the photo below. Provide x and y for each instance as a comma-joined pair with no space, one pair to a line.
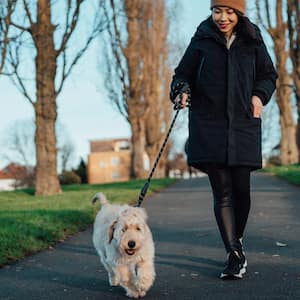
226,75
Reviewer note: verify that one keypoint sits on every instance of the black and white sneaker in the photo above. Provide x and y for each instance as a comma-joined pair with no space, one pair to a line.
243,255
234,266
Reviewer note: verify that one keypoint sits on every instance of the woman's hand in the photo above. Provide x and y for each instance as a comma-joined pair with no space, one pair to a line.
257,107
182,100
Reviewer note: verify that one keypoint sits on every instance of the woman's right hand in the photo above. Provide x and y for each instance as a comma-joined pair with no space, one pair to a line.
181,99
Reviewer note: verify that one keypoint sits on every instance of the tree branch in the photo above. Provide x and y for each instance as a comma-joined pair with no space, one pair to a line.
22,28
15,62
28,14
70,27
5,22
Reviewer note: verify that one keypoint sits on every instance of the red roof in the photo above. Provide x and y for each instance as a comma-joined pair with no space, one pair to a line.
10,171
109,145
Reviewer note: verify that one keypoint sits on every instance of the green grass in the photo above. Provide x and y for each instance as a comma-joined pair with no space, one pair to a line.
290,173
29,224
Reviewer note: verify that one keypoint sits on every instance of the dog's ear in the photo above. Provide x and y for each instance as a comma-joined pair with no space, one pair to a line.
111,230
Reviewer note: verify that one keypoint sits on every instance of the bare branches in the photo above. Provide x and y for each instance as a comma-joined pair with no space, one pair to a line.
6,11
14,58
118,66
72,21
278,33
267,8
70,25
28,13
137,56
293,12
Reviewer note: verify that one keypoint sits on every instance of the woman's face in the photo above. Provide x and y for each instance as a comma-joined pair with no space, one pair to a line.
225,18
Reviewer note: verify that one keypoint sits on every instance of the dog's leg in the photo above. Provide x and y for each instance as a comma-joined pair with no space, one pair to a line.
145,275
127,281
113,276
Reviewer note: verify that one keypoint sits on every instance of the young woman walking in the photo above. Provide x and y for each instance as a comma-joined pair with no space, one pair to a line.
227,76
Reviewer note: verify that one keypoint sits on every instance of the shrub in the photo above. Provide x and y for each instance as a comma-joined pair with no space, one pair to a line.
69,177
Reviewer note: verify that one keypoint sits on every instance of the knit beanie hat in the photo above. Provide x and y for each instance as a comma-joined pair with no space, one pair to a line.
239,5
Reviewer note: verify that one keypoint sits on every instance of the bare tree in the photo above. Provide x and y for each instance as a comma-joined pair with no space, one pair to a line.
7,8
41,59
157,77
137,65
65,152
293,13
278,33
17,145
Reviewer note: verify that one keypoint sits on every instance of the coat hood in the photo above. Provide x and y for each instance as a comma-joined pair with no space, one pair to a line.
245,30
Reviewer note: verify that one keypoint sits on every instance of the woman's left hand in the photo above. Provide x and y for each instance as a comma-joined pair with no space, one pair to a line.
257,107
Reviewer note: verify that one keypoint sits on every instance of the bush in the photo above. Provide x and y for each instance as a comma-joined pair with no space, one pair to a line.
273,161
69,177
81,171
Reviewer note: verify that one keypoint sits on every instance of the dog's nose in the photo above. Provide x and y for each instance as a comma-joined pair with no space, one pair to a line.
131,244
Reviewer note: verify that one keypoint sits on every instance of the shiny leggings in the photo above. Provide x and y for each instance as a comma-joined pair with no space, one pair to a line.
231,191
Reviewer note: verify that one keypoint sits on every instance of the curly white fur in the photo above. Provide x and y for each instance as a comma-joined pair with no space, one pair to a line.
124,243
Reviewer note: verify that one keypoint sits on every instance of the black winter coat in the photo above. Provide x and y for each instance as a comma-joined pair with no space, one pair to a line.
222,128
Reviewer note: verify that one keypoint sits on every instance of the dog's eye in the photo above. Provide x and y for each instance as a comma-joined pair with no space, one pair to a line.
138,229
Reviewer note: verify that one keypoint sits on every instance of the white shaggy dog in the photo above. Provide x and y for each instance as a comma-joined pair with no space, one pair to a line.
124,243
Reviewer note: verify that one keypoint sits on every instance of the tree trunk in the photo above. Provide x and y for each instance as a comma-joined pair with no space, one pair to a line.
293,14
136,106
138,147
156,64
47,182
288,146
278,32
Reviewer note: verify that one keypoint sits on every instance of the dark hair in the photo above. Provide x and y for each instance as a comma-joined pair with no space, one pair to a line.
244,26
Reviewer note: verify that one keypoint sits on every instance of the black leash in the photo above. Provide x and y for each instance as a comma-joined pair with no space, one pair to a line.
147,183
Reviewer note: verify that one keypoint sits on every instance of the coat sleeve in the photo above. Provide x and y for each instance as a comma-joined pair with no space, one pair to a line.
266,75
186,70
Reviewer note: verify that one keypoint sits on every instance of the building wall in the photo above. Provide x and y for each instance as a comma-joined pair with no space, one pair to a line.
109,166
7,184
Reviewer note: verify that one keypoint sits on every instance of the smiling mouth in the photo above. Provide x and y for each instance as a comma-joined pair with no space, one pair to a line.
223,25
130,251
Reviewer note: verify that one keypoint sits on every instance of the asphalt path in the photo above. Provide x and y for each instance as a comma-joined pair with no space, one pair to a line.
189,251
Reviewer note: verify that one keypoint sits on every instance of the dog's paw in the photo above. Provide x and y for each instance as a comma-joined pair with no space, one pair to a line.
114,281
142,293
132,294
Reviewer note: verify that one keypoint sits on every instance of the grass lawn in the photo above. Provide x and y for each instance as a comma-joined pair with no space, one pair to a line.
29,224
290,173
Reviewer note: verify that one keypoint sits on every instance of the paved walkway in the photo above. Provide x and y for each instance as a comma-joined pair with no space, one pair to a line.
189,252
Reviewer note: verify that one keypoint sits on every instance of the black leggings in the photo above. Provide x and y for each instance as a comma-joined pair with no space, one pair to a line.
231,191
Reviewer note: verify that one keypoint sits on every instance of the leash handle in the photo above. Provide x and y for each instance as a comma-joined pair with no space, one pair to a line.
147,183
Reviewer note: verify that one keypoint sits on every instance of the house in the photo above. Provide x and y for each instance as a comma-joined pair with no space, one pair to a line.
8,176
109,161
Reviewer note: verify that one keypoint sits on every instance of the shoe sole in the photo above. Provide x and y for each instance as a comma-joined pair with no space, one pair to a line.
235,276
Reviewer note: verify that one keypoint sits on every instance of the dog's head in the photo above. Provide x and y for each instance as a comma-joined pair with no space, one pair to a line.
129,230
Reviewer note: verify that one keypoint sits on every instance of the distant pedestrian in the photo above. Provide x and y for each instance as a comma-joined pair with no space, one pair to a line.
227,76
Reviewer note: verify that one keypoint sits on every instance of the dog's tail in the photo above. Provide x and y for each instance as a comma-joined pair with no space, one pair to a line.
101,197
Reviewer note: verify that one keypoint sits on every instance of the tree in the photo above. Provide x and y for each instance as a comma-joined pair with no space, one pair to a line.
81,171
158,76
17,145
137,67
6,10
293,13
41,59
278,33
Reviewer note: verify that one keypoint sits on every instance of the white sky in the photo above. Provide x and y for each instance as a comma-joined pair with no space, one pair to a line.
83,107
